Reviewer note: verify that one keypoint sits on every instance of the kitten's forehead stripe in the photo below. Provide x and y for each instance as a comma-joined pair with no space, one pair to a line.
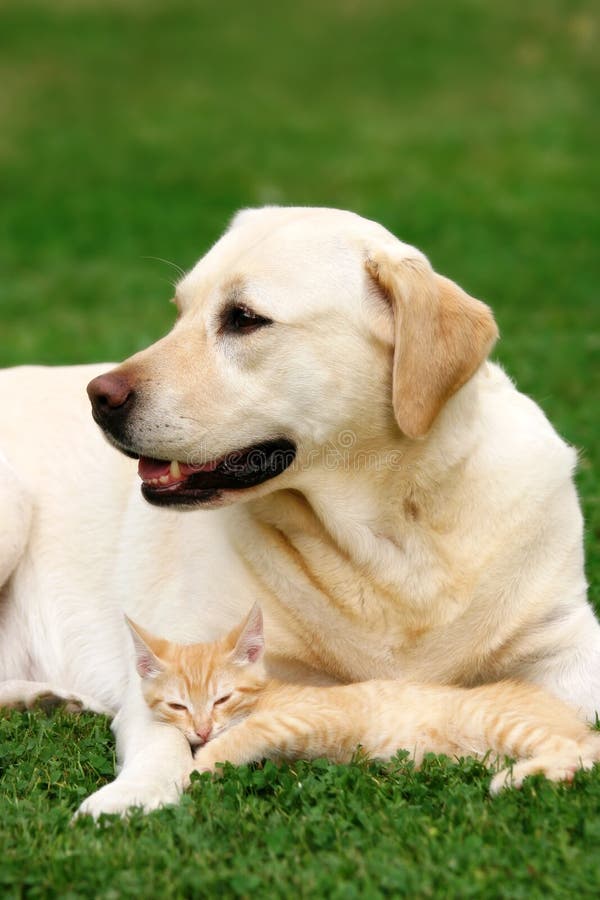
196,666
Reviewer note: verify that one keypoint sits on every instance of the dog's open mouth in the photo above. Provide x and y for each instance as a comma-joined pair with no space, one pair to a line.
174,483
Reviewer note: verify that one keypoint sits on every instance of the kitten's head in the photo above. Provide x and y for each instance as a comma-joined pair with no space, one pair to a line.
202,689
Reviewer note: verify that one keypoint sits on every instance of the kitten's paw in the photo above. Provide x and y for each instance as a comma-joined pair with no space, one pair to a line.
552,767
205,762
121,796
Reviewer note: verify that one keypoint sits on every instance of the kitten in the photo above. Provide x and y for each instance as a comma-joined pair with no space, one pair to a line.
220,697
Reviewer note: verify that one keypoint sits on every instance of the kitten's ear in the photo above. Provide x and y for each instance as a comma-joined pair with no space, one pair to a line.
250,644
147,663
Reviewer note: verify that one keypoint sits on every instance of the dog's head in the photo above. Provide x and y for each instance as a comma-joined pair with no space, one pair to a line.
298,326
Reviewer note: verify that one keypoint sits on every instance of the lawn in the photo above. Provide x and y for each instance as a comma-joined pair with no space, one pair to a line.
130,131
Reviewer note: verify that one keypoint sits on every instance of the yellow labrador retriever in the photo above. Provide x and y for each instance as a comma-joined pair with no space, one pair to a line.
324,412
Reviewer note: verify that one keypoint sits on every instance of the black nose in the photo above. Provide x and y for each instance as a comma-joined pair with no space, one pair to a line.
111,396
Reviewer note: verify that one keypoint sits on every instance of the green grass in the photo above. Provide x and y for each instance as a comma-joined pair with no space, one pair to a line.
131,130
310,830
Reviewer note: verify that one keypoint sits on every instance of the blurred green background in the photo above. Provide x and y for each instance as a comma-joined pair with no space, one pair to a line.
131,130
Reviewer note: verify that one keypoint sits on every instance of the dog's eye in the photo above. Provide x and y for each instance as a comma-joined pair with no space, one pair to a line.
241,319
177,706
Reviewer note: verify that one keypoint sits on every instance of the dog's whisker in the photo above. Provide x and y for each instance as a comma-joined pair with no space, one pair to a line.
191,419
169,262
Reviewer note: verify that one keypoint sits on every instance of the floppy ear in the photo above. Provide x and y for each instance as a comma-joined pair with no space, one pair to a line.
441,336
250,643
147,663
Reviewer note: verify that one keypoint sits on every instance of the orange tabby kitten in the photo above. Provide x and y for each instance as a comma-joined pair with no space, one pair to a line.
220,697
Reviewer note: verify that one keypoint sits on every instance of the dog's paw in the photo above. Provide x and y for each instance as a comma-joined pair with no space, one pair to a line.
121,796
48,701
73,703
21,695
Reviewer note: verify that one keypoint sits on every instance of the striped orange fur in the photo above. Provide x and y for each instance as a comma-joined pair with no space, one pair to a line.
220,696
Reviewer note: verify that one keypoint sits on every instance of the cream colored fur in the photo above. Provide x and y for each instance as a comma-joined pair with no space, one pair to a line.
428,529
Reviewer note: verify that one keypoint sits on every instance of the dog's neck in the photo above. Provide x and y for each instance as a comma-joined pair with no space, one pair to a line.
343,536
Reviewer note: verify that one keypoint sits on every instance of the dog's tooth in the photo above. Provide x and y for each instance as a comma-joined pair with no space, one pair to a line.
163,479
175,470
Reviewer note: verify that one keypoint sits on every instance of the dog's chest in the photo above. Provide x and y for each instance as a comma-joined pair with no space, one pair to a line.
327,609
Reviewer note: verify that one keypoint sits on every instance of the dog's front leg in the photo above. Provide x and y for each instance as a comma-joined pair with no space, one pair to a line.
155,762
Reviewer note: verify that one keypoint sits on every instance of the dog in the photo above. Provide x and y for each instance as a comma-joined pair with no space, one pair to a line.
321,431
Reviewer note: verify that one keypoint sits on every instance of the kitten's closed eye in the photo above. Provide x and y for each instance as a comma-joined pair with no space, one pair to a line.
222,699
178,706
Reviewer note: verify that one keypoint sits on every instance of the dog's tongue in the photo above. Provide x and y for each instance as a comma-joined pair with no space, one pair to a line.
149,469
152,468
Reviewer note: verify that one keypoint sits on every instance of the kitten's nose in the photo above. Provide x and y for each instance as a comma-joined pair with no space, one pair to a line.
204,733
